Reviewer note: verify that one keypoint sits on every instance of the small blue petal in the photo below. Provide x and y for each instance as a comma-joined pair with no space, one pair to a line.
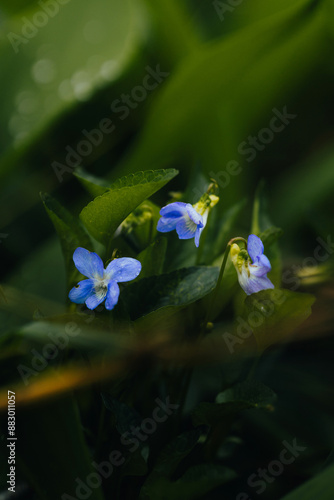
174,210
186,228
95,300
80,293
124,269
194,216
197,235
257,284
165,225
88,263
255,247
112,295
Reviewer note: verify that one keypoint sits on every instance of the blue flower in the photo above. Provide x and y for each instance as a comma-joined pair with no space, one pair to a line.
252,266
188,220
101,283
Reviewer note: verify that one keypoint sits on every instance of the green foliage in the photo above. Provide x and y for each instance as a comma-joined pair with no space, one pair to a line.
274,315
70,233
105,213
243,396
176,289
197,87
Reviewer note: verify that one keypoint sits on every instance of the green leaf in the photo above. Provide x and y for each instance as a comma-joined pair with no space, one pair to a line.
273,315
57,426
242,396
320,486
103,215
153,257
175,289
70,233
50,74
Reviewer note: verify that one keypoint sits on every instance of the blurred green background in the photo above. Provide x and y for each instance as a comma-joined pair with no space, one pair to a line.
163,83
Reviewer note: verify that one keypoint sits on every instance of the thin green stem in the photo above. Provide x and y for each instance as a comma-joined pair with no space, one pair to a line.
220,278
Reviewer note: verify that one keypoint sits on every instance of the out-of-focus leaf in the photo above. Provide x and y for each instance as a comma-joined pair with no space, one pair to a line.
55,427
183,39
70,233
52,74
273,315
301,190
320,486
242,396
105,213
252,83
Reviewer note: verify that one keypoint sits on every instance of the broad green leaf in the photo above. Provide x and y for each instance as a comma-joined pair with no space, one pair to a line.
105,213
59,431
273,315
320,486
51,74
173,290
70,233
242,396
153,257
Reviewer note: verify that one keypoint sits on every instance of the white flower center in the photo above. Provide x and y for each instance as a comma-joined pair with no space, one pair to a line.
101,288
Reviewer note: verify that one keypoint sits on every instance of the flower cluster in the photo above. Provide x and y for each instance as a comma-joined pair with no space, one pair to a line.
188,221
